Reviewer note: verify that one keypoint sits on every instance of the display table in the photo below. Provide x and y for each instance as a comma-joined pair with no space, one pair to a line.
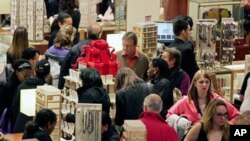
230,70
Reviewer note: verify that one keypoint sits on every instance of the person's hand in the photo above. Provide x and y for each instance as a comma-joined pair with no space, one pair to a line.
1,137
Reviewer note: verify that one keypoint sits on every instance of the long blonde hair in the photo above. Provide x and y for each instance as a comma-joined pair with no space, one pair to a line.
192,91
64,37
207,118
19,43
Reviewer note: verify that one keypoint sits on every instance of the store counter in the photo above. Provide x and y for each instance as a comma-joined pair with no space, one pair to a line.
230,70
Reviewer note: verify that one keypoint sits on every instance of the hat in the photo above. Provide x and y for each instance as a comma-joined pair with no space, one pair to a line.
21,64
42,67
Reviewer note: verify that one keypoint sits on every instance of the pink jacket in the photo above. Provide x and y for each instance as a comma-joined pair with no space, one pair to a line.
187,108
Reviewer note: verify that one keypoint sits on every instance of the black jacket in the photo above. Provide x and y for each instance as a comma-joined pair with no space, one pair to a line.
164,89
129,102
188,62
92,95
18,118
38,134
110,135
69,59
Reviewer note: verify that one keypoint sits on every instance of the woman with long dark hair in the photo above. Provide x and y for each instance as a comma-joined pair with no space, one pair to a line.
130,93
19,43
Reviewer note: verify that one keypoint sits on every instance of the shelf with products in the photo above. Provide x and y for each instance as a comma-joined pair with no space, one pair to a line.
229,79
218,9
70,102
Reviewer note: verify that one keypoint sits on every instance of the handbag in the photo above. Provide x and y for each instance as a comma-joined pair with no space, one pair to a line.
5,122
180,124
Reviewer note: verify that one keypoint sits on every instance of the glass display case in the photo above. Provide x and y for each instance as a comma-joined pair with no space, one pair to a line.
218,9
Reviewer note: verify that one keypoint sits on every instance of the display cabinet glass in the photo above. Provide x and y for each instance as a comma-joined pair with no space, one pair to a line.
229,79
218,9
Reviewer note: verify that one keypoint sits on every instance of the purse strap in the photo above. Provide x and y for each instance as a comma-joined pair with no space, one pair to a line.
3,116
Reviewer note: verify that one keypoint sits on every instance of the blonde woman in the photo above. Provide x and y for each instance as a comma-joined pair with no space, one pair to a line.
19,43
199,96
62,43
56,53
214,125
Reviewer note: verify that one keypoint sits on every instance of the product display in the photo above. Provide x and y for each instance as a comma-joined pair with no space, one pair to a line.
29,14
205,42
228,31
134,130
88,122
87,9
50,97
120,15
147,38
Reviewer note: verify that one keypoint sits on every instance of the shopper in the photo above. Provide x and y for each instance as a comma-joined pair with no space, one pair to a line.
93,33
178,77
19,43
131,57
62,20
42,127
245,94
108,133
130,93
157,128
55,54
182,32
213,126
199,96
42,77
22,70
92,91
72,8
158,73
32,55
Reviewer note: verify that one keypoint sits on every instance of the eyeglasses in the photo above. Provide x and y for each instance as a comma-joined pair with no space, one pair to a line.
222,114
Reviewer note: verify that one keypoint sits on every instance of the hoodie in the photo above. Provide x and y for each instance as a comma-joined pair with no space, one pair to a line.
97,95
29,83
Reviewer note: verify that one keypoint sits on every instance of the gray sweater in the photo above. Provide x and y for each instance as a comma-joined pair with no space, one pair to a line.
140,67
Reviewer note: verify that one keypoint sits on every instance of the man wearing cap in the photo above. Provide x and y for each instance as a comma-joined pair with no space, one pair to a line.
42,70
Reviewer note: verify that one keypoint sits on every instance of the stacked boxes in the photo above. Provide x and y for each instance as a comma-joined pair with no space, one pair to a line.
134,130
87,9
49,97
147,38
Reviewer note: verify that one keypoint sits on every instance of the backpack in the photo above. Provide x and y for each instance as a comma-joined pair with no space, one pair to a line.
99,55
180,124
